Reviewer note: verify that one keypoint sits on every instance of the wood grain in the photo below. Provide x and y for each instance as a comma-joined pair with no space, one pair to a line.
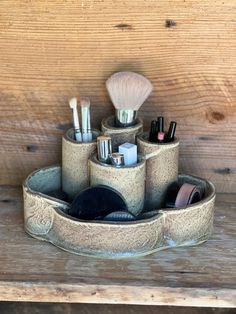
59,308
52,50
32,270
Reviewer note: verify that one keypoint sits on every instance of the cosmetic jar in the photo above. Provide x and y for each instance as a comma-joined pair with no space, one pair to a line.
121,135
129,181
75,172
104,148
161,168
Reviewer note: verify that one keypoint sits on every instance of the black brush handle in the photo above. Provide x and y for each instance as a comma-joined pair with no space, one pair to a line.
171,131
152,133
160,121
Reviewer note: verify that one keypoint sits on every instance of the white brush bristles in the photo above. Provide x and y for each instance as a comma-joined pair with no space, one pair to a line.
73,102
128,90
73,106
86,123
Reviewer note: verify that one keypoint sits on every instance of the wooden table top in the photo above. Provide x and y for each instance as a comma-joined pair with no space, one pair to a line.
32,270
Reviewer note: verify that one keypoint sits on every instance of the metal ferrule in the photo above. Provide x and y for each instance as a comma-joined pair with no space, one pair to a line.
90,135
84,114
125,117
85,117
104,148
117,159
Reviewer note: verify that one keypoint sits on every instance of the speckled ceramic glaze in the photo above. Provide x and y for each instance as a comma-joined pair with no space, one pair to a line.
121,135
129,181
193,224
47,218
161,168
75,155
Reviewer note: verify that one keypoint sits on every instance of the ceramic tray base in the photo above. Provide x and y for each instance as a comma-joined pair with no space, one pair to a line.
46,218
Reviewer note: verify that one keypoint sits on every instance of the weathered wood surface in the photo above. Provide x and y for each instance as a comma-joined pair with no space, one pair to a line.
59,308
32,270
51,50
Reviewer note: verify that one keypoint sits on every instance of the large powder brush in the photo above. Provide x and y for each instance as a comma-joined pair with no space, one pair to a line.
128,91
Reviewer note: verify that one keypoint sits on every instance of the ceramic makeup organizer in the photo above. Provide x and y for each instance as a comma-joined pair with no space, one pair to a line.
143,185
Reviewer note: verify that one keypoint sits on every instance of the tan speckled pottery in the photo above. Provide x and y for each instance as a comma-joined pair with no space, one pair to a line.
75,173
121,135
129,181
161,168
47,218
193,224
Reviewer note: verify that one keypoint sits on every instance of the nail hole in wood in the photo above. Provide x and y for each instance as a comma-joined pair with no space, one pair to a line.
170,23
31,148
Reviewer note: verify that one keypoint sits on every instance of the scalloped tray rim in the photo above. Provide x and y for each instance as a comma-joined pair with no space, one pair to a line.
161,211
60,207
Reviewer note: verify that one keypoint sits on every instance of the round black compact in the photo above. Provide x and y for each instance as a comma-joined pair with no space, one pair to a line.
95,203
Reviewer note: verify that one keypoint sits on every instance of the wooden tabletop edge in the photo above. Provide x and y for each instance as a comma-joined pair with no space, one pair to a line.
116,294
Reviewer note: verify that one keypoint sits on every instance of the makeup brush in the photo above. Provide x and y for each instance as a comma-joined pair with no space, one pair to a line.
171,131
152,132
86,123
73,106
128,91
160,121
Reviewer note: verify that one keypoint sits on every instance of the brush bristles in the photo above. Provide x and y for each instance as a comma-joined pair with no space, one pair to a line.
73,103
128,90
84,102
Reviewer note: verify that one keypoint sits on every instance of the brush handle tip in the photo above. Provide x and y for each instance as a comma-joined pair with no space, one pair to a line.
87,137
78,136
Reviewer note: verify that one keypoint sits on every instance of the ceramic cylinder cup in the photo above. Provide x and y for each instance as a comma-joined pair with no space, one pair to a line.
129,181
121,135
75,155
161,168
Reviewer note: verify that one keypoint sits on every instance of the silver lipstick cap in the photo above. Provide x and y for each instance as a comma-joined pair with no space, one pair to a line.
104,148
125,117
117,159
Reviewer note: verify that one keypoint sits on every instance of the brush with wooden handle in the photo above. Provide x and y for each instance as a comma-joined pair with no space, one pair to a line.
73,106
86,121
128,91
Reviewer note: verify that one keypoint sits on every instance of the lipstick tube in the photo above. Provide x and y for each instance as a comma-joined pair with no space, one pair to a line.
117,159
104,148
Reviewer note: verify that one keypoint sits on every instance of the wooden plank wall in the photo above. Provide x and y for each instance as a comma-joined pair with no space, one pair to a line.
52,50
